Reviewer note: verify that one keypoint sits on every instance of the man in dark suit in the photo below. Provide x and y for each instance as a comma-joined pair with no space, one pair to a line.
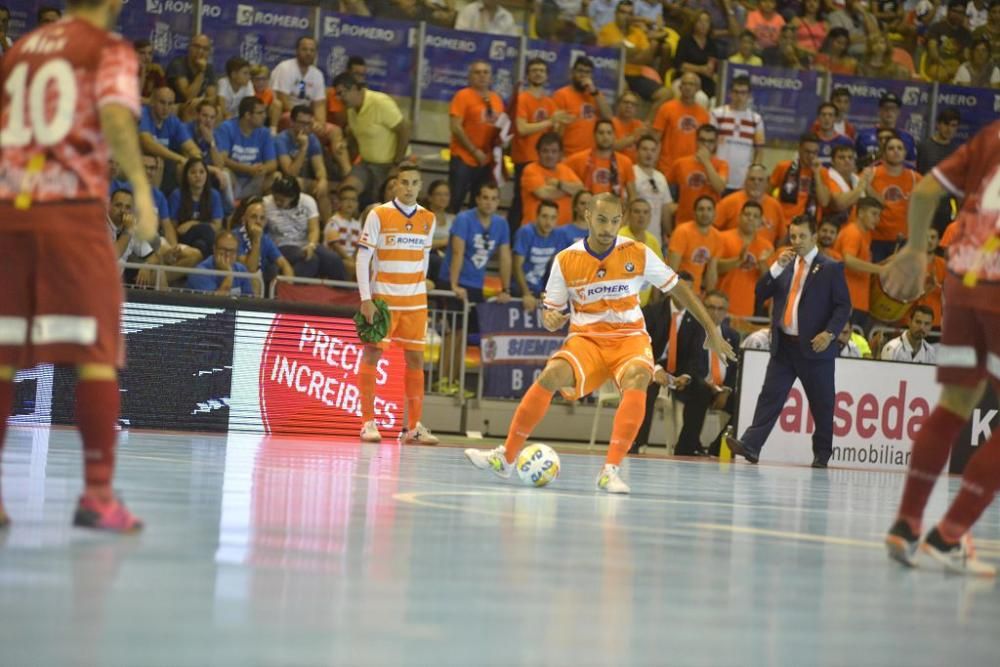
810,306
713,380
662,317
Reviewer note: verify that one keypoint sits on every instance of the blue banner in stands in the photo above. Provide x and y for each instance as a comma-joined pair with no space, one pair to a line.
978,107
786,99
23,17
167,24
865,94
261,33
514,348
386,46
560,58
448,54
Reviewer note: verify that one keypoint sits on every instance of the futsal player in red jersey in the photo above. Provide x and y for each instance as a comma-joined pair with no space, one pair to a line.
968,357
70,101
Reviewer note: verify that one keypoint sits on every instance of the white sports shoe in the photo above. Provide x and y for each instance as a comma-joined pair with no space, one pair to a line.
958,558
609,480
492,460
369,432
421,435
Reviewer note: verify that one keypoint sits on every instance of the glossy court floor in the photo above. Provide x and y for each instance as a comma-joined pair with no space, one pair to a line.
292,552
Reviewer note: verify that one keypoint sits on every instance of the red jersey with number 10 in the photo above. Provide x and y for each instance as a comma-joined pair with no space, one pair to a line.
972,174
55,81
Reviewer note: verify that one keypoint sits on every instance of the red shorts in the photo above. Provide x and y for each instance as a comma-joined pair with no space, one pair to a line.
595,360
970,340
60,290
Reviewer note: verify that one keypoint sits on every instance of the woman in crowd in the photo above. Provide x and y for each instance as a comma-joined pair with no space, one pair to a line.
979,71
196,208
293,222
810,27
878,62
696,52
834,57
438,196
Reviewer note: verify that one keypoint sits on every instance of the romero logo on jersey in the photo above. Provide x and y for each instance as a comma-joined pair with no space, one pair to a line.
701,255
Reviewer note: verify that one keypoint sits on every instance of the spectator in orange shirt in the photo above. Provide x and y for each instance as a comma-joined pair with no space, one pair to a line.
846,185
694,246
260,77
336,112
628,128
534,114
584,102
950,232
677,122
473,114
743,258
854,245
701,174
936,270
549,179
602,169
801,185
892,183
826,236
772,225
642,45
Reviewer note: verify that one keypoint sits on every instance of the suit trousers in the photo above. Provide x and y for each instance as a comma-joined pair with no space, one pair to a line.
817,377
697,399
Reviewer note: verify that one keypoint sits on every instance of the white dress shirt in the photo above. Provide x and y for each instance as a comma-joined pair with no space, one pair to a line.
900,349
777,269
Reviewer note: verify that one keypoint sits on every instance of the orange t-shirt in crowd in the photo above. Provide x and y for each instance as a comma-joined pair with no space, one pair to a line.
773,225
333,102
533,177
677,125
688,174
533,110
895,192
950,232
805,184
937,269
266,96
623,128
595,172
477,118
855,241
579,134
695,248
833,254
739,283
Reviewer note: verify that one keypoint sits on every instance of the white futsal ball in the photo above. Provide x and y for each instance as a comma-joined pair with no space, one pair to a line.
537,464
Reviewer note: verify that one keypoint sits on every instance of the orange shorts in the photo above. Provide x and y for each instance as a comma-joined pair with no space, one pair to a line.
408,329
595,360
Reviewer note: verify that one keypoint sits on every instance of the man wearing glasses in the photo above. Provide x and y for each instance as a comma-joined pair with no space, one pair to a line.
651,186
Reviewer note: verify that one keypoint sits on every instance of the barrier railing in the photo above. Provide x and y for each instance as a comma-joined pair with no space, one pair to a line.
447,333
162,282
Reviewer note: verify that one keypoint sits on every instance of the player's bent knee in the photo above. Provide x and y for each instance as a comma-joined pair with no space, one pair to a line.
557,375
961,400
96,372
636,376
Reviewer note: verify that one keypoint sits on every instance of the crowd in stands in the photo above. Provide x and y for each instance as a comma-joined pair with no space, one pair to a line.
273,171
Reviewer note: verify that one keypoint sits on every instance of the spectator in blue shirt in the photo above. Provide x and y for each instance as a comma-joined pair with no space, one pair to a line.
223,258
567,235
247,149
301,156
257,250
152,166
534,248
202,131
475,235
868,145
162,134
197,208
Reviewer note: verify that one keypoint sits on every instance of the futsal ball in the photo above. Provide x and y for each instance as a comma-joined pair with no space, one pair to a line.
537,464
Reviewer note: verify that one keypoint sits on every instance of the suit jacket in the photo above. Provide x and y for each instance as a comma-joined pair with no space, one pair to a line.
692,357
657,316
825,304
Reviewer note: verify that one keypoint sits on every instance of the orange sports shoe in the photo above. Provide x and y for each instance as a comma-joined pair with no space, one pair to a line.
105,515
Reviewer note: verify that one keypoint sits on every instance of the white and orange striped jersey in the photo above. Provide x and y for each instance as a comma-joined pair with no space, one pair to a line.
401,245
603,291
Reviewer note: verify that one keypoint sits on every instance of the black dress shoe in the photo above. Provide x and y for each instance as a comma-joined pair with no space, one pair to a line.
738,449
818,464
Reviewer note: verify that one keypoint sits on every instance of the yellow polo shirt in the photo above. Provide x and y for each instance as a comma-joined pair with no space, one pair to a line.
611,35
373,124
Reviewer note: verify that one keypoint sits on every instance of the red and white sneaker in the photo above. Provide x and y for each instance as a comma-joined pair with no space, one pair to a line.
105,515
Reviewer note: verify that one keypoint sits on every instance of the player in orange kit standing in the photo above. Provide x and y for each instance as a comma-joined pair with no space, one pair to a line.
599,279
70,103
395,246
